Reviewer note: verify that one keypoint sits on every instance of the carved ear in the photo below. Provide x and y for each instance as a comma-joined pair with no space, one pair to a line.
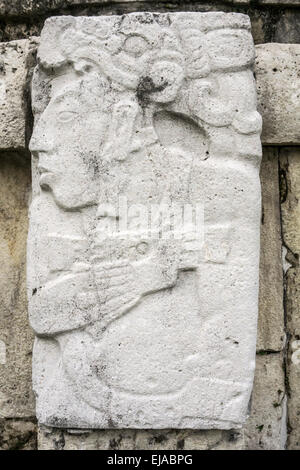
180,134
119,139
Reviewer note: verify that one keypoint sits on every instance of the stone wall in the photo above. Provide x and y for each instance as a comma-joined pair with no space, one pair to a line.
272,20
274,421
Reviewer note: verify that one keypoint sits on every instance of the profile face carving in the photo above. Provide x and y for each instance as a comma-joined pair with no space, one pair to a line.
136,327
68,140
143,69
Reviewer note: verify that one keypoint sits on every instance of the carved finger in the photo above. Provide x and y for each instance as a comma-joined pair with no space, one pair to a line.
112,273
115,292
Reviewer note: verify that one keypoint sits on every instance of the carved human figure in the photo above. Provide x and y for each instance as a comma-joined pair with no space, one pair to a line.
136,119
106,276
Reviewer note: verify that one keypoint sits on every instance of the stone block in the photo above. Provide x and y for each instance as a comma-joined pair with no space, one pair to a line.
18,434
144,237
16,338
16,61
32,7
265,429
277,70
23,8
287,28
290,3
290,207
290,210
270,334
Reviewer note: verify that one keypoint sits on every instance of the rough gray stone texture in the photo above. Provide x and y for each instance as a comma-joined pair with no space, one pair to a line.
33,7
265,429
16,397
270,334
18,434
16,61
266,426
135,329
290,208
287,27
279,2
277,69
56,439
276,21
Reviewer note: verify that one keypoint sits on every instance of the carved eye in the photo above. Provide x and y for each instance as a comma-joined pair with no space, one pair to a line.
66,116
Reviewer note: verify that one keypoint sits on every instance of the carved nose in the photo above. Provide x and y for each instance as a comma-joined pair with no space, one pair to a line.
39,141
39,144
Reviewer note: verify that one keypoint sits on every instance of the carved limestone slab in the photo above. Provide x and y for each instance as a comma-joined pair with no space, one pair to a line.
144,225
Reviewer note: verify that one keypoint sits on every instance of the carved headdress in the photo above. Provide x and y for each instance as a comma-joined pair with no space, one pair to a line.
132,58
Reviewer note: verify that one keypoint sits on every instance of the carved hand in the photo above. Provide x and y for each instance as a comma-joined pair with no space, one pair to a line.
117,290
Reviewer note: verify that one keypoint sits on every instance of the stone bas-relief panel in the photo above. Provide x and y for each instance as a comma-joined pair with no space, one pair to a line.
143,248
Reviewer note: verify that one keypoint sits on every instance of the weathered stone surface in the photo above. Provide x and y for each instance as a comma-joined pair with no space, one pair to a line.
293,280
22,19
264,429
16,60
271,335
56,439
18,434
279,2
214,440
287,27
290,166
290,208
277,70
33,7
266,426
140,325
16,337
